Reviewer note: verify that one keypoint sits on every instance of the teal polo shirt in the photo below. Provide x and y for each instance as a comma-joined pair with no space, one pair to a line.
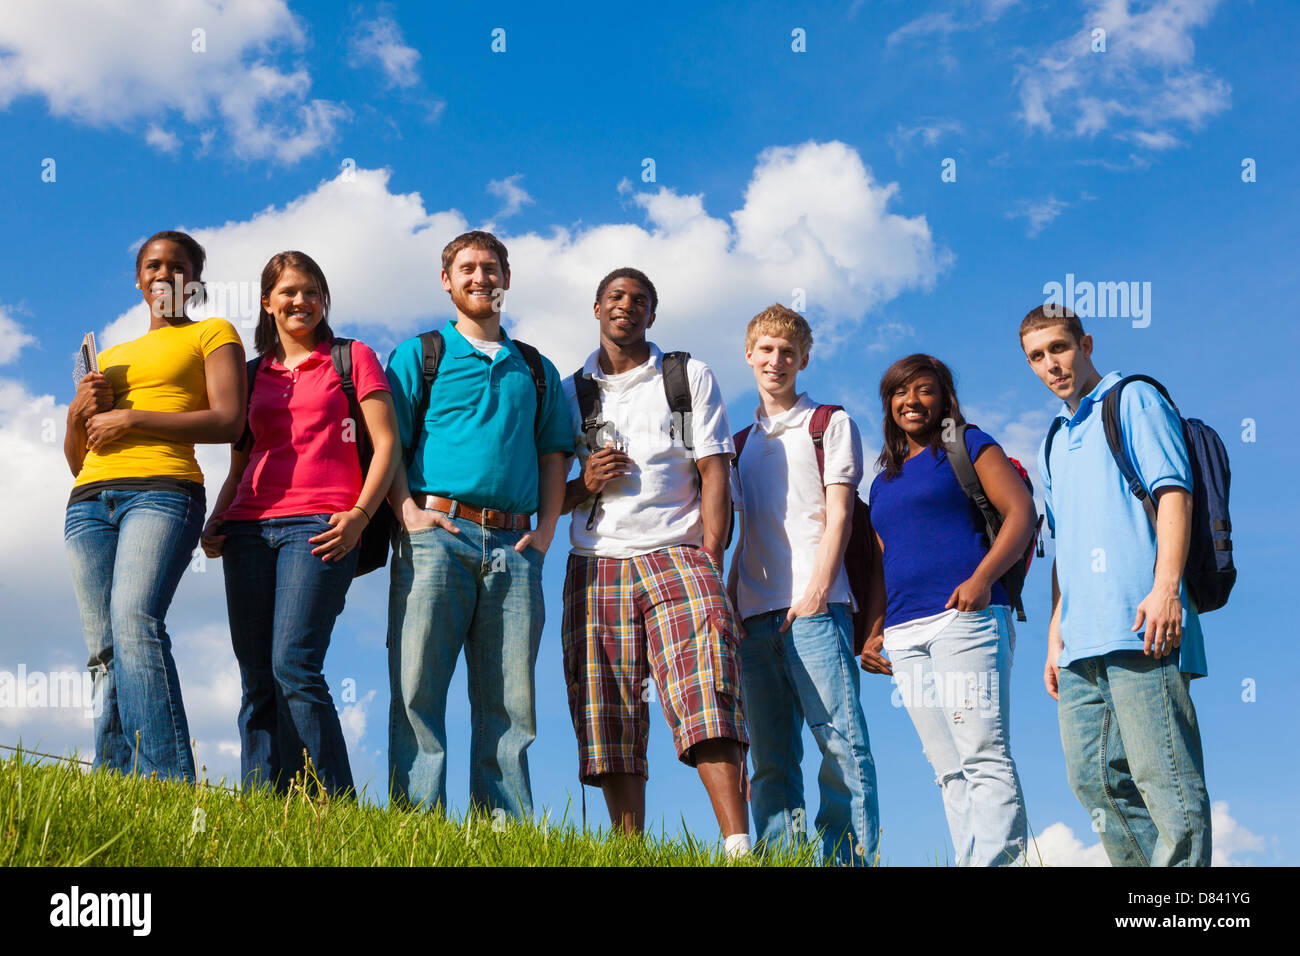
1105,545
477,444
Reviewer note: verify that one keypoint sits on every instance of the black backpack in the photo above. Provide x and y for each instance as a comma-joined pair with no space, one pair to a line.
861,544
1209,572
1013,581
677,388
372,547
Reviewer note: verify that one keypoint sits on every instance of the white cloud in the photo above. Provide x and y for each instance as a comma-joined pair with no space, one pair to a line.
380,42
514,196
962,16
162,140
13,337
1058,846
1144,83
1230,839
1038,214
216,71
353,720
813,218
929,130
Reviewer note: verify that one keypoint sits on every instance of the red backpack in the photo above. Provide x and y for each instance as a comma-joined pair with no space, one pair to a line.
857,554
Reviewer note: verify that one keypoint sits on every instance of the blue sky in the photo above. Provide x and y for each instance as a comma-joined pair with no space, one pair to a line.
368,135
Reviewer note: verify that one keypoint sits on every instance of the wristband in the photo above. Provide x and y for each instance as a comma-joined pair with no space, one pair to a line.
364,512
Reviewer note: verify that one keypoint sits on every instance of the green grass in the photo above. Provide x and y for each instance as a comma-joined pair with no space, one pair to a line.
55,814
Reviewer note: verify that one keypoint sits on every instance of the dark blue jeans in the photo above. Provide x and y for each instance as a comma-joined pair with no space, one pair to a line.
282,601
127,551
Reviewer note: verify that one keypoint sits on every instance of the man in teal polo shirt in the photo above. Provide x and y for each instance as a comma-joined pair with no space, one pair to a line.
1124,641
467,569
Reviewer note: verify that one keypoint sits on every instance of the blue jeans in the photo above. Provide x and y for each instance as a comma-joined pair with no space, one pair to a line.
127,551
809,673
282,601
449,591
957,690
1133,755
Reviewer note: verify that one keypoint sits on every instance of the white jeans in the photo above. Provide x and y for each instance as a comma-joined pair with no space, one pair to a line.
956,688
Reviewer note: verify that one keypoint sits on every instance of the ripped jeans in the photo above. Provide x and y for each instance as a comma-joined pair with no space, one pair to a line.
957,690
809,674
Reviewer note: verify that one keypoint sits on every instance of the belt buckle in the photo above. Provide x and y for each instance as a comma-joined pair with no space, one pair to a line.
487,515
455,509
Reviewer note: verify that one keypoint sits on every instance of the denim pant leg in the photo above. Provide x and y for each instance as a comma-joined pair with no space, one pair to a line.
914,681
1157,722
248,563
91,539
972,658
775,724
820,665
431,603
1097,765
156,533
309,596
501,662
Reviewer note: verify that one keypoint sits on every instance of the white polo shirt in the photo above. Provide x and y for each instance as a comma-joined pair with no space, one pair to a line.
783,504
657,506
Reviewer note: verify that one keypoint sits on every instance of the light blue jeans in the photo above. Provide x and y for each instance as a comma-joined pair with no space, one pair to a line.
957,690
809,673
449,591
1133,755
127,551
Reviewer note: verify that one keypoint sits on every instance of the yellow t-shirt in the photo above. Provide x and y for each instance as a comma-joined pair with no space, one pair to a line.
161,371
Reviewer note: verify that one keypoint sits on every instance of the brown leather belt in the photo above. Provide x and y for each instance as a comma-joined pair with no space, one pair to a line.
457,509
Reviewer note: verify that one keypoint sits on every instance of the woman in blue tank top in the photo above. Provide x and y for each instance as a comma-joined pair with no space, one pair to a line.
946,626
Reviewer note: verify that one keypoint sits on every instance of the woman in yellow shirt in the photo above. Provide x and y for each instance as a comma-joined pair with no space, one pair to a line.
137,504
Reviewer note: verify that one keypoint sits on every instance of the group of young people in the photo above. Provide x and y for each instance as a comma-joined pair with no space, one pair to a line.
470,437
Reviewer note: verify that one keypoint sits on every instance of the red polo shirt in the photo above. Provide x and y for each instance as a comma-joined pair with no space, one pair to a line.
304,458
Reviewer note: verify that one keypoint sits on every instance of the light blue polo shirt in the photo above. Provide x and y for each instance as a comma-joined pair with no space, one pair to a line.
1105,545
478,444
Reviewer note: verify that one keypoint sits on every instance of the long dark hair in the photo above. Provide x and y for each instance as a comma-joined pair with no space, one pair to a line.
894,452
267,337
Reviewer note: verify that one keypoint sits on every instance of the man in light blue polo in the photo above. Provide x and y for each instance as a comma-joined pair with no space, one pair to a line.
487,445
1124,641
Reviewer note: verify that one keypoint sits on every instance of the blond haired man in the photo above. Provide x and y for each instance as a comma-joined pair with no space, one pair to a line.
797,470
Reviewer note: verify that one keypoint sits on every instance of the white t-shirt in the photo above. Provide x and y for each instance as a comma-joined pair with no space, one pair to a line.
657,506
490,349
783,504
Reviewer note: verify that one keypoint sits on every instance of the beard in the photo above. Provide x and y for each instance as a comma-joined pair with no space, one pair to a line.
476,307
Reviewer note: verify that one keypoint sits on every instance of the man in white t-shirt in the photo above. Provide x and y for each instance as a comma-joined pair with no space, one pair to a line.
789,585
646,616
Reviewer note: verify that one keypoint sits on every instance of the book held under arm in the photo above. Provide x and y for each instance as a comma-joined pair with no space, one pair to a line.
87,359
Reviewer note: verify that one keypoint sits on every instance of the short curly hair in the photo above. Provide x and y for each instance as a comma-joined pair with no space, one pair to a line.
784,323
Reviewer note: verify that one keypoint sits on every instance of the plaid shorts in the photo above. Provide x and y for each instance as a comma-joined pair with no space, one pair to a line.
657,626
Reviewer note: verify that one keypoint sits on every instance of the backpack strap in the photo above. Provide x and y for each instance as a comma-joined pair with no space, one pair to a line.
677,387
538,370
431,348
588,393
341,358
246,439
964,469
742,436
1052,429
1115,438
589,409
821,417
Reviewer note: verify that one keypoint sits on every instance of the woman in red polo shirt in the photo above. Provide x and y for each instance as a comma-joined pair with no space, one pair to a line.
287,523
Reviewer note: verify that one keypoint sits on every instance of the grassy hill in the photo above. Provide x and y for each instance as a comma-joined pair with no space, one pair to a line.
56,814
